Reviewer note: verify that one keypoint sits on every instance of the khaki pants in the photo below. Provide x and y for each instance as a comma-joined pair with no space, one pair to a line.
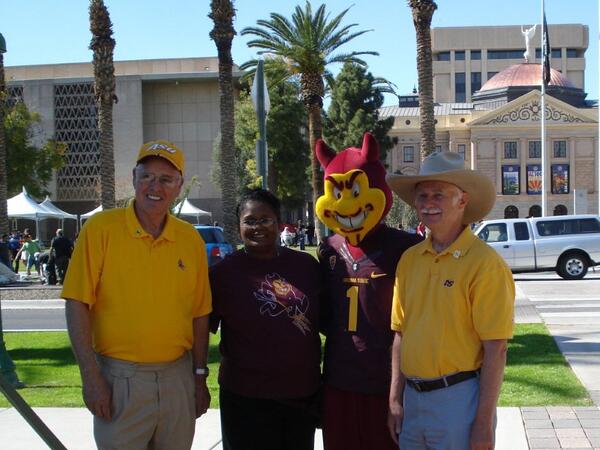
153,405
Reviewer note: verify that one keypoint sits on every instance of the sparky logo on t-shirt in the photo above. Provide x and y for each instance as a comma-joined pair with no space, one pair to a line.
277,296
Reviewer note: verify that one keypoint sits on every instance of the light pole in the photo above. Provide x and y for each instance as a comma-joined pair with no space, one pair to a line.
7,367
260,100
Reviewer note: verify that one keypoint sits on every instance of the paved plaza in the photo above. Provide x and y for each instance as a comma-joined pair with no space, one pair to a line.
570,309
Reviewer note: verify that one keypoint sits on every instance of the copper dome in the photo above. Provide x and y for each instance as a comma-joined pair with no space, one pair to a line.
525,75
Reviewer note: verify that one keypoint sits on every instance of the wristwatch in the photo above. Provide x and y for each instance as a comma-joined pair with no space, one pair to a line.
203,371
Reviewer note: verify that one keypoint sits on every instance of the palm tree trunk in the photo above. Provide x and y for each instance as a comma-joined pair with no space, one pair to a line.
422,12
315,131
104,84
4,226
107,158
222,14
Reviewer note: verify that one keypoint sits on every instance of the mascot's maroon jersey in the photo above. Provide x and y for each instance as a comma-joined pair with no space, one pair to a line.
356,318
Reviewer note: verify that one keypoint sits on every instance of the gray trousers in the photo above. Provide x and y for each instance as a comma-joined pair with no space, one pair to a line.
439,419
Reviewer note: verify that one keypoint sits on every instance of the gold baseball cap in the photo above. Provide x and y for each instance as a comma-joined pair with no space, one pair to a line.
163,149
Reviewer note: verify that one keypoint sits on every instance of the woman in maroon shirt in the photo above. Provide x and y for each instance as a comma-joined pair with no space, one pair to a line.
266,302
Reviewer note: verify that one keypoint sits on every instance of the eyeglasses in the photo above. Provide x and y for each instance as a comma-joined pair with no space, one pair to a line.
164,180
264,222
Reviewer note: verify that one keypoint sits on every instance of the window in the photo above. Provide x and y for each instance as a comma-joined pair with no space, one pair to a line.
555,53
475,81
511,212
535,211
521,231
491,74
408,153
461,149
459,56
589,226
535,149
476,54
571,53
567,226
443,56
561,210
510,150
505,54
460,87
559,149
438,148
494,232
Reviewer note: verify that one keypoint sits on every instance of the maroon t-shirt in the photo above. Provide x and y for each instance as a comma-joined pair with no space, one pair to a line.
269,316
356,316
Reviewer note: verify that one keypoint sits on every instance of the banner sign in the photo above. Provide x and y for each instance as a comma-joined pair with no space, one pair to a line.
534,179
510,180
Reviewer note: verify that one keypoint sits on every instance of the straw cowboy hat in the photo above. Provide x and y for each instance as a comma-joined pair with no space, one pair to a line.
449,167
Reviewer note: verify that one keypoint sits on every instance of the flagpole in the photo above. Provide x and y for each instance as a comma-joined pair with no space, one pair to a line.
543,118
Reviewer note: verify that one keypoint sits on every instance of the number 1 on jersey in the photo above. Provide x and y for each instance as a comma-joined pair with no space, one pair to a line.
352,296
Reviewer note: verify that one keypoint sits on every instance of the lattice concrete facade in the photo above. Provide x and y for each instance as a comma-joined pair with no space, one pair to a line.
174,99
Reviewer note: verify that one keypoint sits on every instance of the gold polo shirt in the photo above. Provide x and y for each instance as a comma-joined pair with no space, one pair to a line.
143,293
445,304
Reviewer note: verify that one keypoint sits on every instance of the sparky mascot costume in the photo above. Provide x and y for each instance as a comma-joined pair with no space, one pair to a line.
359,265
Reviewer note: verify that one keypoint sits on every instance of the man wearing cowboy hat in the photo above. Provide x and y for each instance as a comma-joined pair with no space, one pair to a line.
452,313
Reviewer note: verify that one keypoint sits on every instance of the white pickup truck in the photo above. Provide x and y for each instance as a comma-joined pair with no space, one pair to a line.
567,244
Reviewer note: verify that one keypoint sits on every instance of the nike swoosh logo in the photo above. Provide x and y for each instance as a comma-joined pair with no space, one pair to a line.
377,275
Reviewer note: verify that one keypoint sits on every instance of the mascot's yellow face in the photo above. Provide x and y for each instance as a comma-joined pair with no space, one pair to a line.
349,206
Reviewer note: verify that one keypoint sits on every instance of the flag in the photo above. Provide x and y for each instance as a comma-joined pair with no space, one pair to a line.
545,53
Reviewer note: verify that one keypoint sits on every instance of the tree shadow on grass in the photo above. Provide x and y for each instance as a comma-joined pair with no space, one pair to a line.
60,356
534,349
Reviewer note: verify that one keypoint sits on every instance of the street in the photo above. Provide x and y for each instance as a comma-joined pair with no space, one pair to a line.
562,304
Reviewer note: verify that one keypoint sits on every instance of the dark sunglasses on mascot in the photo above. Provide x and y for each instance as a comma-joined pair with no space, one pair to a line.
264,222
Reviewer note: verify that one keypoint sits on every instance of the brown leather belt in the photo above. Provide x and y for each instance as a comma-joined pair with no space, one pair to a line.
440,383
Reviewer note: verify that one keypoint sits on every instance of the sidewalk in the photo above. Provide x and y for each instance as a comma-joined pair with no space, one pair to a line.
73,426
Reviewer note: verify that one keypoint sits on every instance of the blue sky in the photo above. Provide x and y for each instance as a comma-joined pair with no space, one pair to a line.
57,31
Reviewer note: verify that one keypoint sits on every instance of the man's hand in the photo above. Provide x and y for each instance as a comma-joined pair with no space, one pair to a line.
482,435
202,395
395,416
97,396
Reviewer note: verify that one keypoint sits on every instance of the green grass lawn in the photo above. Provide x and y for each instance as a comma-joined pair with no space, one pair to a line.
536,373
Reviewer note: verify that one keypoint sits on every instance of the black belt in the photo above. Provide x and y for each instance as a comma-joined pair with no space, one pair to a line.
440,383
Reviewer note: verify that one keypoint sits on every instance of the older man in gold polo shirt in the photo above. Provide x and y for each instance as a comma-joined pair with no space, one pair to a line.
452,313
138,300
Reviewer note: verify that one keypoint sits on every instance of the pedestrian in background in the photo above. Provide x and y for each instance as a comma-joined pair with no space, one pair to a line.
61,248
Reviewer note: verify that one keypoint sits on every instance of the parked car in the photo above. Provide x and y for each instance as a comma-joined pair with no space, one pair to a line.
567,244
216,244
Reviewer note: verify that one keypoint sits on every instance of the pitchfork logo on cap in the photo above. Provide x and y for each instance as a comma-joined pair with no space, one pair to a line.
448,283
158,146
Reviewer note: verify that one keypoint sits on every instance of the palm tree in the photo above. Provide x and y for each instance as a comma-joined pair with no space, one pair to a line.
222,14
3,182
422,12
104,77
307,44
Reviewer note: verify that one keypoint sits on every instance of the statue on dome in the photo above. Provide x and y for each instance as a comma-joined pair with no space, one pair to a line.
528,35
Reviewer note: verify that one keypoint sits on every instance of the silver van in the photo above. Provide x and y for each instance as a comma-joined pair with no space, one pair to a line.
567,244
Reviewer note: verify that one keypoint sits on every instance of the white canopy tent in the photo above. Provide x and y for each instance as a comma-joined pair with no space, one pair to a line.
89,214
52,207
22,206
63,214
189,210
